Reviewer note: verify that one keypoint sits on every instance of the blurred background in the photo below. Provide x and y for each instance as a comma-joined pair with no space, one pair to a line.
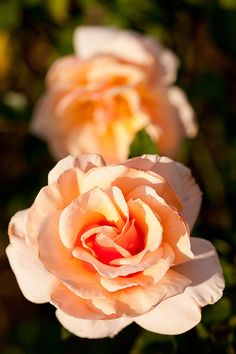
33,33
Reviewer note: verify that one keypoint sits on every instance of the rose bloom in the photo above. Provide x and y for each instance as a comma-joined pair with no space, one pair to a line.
116,84
110,244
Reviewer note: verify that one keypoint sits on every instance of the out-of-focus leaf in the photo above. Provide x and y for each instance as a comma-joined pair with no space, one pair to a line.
195,2
12,349
222,246
223,26
209,171
227,4
202,331
217,313
65,334
151,343
10,15
229,272
58,9
142,144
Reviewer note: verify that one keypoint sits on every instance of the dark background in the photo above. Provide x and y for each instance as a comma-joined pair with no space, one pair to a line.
33,33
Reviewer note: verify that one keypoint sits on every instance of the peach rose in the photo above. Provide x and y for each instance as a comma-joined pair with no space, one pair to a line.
109,245
117,84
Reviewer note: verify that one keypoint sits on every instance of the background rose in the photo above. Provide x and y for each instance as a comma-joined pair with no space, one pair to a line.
118,83
108,245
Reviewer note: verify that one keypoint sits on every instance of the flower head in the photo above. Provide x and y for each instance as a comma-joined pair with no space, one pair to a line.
110,244
117,83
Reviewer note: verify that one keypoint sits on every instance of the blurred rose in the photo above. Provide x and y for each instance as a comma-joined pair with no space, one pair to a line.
109,245
117,84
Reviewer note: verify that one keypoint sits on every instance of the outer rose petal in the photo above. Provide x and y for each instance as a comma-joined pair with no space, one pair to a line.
185,111
83,162
93,40
180,313
55,196
129,178
17,223
43,125
179,178
92,329
34,280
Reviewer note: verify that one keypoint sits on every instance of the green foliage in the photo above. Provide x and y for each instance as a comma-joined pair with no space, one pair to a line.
142,144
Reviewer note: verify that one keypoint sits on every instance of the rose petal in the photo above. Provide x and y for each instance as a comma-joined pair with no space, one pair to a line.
174,229
149,235
149,276
42,124
55,196
136,300
185,111
126,179
60,262
105,70
17,224
29,271
74,305
179,178
94,40
92,329
83,162
105,269
65,73
117,113
89,208
180,313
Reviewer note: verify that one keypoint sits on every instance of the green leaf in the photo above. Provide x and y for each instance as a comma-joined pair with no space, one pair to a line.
152,343
227,4
142,144
217,313
58,9
10,16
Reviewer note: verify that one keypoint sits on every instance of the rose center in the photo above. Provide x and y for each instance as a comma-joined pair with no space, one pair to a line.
106,243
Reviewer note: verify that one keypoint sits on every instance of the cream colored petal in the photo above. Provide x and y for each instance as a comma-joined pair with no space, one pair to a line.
61,263
62,166
73,305
51,198
175,231
93,40
185,111
141,299
126,179
89,208
34,280
179,178
149,276
105,69
148,222
149,235
48,200
84,162
45,124
180,313
92,328
17,224
65,73
118,200
165,58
